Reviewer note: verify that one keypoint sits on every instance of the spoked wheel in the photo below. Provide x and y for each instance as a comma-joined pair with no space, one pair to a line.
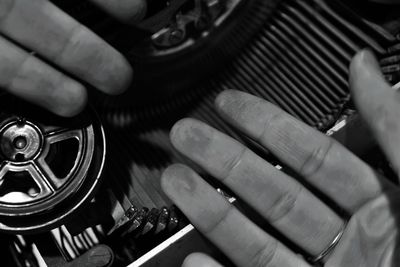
48,169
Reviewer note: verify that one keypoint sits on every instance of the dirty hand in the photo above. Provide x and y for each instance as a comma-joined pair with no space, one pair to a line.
369,237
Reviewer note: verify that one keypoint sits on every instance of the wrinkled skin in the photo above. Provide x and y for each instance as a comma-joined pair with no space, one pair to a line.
370,236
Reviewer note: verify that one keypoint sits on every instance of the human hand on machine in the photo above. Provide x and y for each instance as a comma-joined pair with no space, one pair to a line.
29,28
369,237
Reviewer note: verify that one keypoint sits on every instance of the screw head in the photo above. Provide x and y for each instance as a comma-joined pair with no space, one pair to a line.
176,36
20,142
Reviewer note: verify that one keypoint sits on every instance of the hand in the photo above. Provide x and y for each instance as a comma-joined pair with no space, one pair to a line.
369,237
41,27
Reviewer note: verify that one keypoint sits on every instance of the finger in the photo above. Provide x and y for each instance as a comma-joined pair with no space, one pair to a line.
241,240
42,27
129,11
378,103
200,260
28,77
323,162
281,200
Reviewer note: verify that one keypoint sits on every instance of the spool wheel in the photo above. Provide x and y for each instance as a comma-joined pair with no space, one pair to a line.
47,171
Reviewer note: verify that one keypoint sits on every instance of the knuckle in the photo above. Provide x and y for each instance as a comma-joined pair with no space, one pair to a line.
69,44
379,118
274,121
128,11
265,256
12,62
283,205
239,106
135,11
316,158
232,162
20,71
218,221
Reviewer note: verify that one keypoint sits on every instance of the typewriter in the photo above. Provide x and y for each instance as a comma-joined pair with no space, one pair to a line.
94,180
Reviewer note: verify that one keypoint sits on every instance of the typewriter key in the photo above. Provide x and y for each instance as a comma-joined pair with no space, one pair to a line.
49,166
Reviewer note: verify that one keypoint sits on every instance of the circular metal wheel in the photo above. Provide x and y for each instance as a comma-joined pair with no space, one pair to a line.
49,167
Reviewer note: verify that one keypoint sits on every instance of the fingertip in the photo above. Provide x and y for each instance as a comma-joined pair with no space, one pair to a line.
126,76
367,83
128,11
167,176
226,98
135,11
181,130
355,65
199,260
121,76
234,105
366,57
193,139
364,65
71,101
176,179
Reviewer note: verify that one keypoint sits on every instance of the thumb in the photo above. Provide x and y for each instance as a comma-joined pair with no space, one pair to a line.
378,104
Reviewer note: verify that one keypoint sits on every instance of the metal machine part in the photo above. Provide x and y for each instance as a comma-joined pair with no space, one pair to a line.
144,222
197,21
178,47
298,59
47,171
290,52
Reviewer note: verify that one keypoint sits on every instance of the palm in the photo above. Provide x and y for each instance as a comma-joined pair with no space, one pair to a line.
371,237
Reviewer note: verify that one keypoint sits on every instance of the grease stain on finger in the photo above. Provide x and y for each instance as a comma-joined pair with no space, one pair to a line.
178,179
200,202
216,152
189,136
245,111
